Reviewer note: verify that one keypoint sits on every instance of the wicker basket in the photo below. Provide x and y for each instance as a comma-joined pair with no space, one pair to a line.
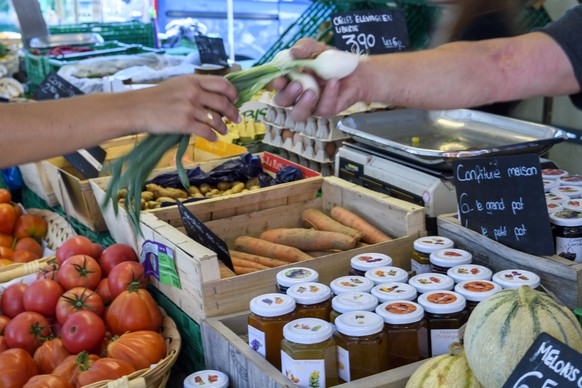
58,229
17,270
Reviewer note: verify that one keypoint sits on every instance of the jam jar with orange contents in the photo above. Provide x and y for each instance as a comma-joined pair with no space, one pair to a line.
351,283
475,291
389,274
269,314
515,278
465,272
362,345
443,259
407,332
295,275
423,247
365,261
394,291
313,300
351,301
447,315
431,282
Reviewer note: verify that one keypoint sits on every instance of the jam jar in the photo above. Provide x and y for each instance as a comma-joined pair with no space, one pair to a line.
567,231
461,273
423,247
573,204
269,314
386,292
431,282
365,261
553,173
352,301
207,378
389,274
550,184
554,207
295,275
308,353
362,345
557,198
313,300
407,332
447,315
571,191
570,180
351,283
475,291
443,259
515,278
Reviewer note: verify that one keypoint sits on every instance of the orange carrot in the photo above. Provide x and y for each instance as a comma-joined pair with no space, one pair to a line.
321,221
310,239
257,246
267,261
372,235
246,263
225,272
244,270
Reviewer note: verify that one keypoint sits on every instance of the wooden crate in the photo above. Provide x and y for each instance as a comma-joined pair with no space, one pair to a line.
36,179
204,294
220,207
560,277
225,350
75,194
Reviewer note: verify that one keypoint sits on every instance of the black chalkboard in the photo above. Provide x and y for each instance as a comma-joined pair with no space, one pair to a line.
211,50
54,87
370,31
197,231
503,198
547,363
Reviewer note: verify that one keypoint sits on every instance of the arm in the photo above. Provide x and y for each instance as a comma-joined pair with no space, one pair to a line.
38,130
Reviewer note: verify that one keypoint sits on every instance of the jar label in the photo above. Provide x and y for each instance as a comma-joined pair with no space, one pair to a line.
304,373
569,248
343,363
440,339
419,268
257,340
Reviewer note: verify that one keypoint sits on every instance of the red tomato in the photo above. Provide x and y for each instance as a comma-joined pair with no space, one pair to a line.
105,369
29,244
6,240
3,345
5,196
30,225
7,218
50,354
83,331
42,296
133,310
11,304
78,299
24,256
140,348
115,254
72,366
4,319
103,291
79,271
123,274
16,367
47,381
49,271
77,245
27,330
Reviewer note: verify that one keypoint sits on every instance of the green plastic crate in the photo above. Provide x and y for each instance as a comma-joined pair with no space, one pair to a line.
133,31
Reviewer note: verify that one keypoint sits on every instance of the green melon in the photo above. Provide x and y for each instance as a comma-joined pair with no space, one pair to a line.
502,328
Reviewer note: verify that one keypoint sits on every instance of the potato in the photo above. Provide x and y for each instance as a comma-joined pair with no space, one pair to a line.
238,187
147,195
122,193
256,187
252,182
165,199
152,205
205,188
194,190
212,193
222,186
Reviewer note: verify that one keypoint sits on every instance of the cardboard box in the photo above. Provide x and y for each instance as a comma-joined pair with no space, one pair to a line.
203,294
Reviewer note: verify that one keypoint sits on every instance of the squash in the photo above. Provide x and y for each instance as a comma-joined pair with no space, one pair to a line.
503,327
444,371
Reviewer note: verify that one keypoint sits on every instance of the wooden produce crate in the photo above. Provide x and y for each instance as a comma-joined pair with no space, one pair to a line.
203,294
225,349
36,179
560,277
75,195
122,231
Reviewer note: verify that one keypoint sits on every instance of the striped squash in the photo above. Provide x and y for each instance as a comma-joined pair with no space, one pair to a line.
503,327
444,371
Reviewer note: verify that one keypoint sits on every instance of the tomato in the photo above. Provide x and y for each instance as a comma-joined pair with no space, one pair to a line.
42,296
27,331
28,244
105,369
11,304
16,367
5,196
78,299
24,256
6,253
134,310
29,225
115,254
50,354
123,274
47,381
103,291
77,245
4,319
140,348
3,345
72,366
6,240
49,271
79,271
83,331
7,218
5,262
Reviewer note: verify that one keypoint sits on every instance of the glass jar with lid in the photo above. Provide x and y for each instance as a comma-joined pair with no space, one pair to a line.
570,180
351,284
550,184
308,353
567,231
447,315
313,300
351,301
431,282
571,191
208,378
443,259
423,247
388,274
515,278
475,291
366,261
362,345
386,292
556,198
269,314
465,272
553,173
295,275
573,204
554,207
407,332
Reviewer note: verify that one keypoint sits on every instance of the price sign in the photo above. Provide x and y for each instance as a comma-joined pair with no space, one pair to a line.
503,199
54,87
211,50
370,31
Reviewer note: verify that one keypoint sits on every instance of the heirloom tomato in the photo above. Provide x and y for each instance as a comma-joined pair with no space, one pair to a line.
16,367
124,274
4,319
47,381
3,345
24,256
115,254
28,244
79,271
50,354
77,245
105,369
27,330
103,291
12,304
42,296
140,348
73,365
29,225
133,310
83,331
78,299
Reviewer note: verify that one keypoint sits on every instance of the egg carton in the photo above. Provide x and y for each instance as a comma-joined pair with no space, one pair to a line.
313,149
325,169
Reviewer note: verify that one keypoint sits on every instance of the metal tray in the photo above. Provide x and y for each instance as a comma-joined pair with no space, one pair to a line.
69,39
437,138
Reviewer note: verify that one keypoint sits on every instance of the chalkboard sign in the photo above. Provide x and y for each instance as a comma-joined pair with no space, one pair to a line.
547,363
503,198
370,31
211,50
197,231
54,87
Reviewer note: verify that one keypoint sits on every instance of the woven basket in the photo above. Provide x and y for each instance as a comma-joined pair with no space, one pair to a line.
17,270
58,229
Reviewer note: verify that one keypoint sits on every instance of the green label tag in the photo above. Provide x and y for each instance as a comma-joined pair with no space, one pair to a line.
158,261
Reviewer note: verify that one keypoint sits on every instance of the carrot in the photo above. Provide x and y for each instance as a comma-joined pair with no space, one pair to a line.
257,246
244,270
372,235
247,264
321,221
310,239
267,261
225,272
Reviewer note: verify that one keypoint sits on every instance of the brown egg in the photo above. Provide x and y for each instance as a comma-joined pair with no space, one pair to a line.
330,149
286,134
